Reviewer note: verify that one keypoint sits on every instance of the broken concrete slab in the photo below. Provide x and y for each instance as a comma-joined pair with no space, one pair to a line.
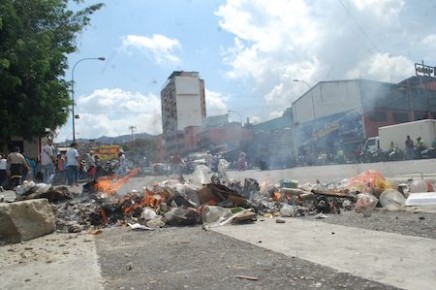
25,220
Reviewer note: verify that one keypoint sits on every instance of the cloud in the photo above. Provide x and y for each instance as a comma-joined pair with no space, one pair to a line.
216,103
384,67
277,41
110,112
159,47
387,10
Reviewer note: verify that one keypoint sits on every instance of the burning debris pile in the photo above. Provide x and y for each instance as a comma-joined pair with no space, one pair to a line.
175,203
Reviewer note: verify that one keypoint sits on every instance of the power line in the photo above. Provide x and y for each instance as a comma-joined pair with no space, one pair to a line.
360,27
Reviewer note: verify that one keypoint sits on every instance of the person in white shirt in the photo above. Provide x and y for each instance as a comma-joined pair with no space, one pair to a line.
3,170
73,165
122,164
47,161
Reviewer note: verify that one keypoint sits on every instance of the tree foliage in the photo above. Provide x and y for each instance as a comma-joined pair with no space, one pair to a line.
35,38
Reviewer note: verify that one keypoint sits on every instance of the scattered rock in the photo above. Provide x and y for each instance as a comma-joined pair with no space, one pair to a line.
25,220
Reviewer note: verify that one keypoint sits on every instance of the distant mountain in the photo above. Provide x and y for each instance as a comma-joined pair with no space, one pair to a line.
119,139
125,138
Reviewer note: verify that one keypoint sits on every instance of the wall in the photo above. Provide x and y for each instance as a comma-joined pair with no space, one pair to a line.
328,98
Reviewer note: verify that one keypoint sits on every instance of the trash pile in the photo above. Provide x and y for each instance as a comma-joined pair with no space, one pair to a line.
215,202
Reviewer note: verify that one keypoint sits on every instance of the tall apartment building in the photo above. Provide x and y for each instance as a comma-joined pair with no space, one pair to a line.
183,104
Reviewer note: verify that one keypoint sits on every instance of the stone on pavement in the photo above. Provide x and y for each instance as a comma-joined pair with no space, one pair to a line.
25,220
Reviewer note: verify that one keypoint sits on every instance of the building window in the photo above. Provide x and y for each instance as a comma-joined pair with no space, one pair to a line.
377,116
401,117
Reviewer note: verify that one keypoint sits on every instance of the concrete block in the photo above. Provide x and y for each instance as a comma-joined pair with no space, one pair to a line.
25,220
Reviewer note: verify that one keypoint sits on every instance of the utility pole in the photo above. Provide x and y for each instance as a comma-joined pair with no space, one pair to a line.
73,115
132,129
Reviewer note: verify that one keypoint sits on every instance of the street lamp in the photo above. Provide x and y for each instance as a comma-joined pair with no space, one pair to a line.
314,134
73,115
236,112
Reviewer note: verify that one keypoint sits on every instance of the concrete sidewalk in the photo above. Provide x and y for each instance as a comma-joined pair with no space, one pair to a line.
56,261
401,261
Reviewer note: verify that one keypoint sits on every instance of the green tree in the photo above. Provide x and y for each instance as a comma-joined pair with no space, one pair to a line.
35,38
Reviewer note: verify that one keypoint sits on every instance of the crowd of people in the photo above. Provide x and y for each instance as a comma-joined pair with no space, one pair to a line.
54,167
419,149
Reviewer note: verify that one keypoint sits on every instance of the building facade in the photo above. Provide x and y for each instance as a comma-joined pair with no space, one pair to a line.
183,104
340,115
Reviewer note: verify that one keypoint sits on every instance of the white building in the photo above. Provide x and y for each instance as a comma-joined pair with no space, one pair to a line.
332,113
183,105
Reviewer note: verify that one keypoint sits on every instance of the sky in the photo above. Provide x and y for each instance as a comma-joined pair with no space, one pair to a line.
249,52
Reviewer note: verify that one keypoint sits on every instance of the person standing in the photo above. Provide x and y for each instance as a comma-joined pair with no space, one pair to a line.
73,165
16,164
3,172
177,164
122,164
29,174
409,148
47,161
92,167
242,162
60,169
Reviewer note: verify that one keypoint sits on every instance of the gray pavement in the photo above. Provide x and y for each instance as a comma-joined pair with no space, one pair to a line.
396,170
61,261
401,261
52,262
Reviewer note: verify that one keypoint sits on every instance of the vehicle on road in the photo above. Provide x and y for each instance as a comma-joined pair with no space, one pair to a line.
389,144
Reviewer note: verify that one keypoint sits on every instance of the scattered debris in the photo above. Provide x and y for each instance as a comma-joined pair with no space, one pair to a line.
187,202
251,278
139,226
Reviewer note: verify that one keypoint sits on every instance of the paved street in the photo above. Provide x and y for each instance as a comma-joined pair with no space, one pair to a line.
390,260
396,170
401,170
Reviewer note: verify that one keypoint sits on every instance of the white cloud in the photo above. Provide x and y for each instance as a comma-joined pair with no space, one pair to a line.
110,112
215,103
386,10
159,47
429,44
383,67
277,41
255,120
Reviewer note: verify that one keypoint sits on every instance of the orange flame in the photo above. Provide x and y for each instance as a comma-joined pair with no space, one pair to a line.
152,199
110,184
277,196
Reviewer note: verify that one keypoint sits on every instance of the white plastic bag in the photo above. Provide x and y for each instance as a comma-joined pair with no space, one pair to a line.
288,210
211,214
148,213
392,199
200,174
223,165
365,204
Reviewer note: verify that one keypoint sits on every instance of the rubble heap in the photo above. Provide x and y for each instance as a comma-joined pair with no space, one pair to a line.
176,203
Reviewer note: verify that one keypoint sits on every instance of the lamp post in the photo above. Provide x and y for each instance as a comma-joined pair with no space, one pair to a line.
73,115
240,117
314,127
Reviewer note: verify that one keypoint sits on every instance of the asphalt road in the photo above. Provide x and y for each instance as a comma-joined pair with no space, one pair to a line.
342,252
332,173
396,170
